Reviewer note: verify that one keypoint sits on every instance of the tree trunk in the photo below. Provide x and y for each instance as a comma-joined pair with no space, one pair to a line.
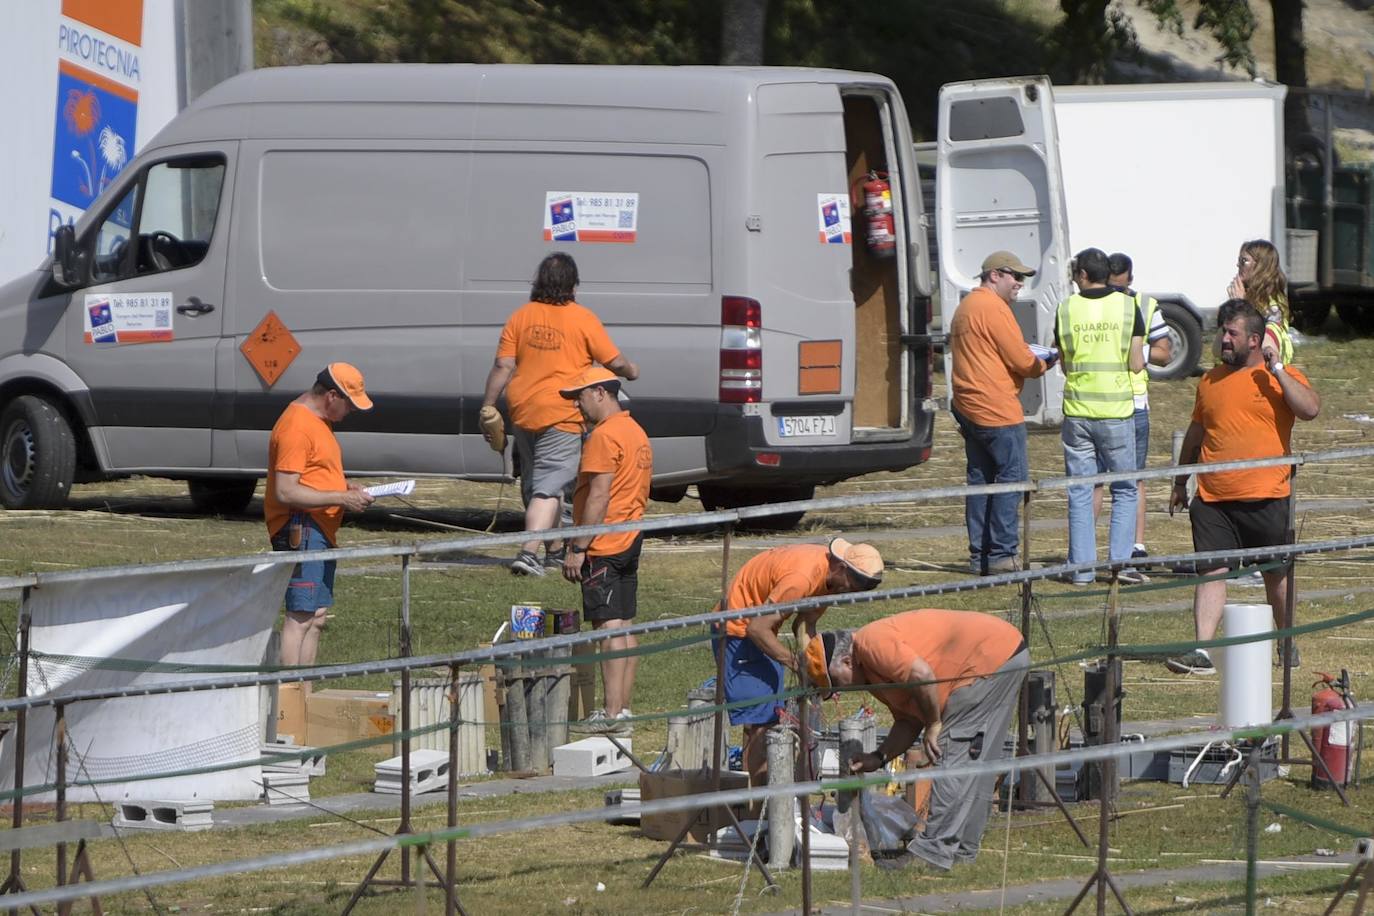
741,34
1290,63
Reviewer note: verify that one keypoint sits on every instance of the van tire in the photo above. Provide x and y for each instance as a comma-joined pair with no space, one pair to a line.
718,496
222,495
37,454
1309,314
1186,333
1358,315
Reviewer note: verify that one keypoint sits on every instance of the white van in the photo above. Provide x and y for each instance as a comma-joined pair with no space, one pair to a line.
393,215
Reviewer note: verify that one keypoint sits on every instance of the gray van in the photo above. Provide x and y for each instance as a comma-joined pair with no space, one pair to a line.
392,216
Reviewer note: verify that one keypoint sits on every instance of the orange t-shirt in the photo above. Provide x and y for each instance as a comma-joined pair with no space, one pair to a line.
304,444
990,361
960,646
1243,415
552,345
617,445
775,577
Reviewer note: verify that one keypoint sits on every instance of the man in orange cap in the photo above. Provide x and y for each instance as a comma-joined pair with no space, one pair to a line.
952,679
755,658
306,498
613,479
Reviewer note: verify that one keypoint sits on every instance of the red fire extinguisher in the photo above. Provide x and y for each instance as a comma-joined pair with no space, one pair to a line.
1332,742
880,227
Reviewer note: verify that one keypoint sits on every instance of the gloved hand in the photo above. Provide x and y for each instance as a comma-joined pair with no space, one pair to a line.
493,427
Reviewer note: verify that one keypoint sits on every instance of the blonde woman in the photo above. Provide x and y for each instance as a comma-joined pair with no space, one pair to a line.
1260,282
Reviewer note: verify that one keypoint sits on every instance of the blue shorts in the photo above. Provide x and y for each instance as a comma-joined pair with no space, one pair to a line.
748,674
312,584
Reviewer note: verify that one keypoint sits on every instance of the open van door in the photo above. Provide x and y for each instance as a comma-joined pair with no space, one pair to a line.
998,187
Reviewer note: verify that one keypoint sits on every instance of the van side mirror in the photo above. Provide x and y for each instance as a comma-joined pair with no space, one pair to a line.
66,259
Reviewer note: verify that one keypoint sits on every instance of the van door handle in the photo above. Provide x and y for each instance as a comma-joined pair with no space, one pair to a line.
194,307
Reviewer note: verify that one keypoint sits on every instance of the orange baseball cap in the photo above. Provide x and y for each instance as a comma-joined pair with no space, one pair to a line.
863,561
816,662
348,381
594,376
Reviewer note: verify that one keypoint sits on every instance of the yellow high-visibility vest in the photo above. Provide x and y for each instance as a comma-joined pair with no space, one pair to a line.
1095,335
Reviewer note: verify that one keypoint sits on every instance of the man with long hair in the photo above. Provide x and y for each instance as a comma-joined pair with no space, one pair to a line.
546,346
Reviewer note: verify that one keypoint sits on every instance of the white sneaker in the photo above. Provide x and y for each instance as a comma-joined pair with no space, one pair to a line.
624,725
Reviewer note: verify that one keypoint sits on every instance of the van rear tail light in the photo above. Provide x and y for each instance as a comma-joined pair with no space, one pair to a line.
768,459
741,350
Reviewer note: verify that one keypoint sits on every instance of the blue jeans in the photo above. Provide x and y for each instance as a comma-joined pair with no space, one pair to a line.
1141,420
995,454
1092,446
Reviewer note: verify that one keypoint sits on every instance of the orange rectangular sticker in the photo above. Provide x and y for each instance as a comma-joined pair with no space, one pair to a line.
121,18
818,366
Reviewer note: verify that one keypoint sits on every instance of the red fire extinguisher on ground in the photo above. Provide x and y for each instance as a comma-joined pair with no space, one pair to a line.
1332,742
880,229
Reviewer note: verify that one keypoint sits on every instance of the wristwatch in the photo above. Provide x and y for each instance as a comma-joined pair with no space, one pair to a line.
575,549
1276,367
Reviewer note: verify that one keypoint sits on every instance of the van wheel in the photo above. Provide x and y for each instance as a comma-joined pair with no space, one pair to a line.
1359,316
717,496
1186,335
1309,315
37,454
222,495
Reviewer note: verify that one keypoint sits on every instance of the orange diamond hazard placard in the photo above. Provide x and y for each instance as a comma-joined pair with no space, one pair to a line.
270,348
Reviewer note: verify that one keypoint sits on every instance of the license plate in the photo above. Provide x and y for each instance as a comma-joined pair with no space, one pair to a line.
805,426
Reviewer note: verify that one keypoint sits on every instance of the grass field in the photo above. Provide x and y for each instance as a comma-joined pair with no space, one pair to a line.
458,600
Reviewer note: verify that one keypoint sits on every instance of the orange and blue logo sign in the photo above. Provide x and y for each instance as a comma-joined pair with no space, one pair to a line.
94,135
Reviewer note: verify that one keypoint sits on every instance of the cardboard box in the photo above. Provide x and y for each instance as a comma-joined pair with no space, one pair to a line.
336,716
675,783
582,693
291,710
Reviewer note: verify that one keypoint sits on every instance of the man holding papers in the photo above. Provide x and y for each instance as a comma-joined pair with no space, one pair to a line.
306,498
990,361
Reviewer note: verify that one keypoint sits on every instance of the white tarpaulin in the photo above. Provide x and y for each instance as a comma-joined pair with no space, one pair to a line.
107,634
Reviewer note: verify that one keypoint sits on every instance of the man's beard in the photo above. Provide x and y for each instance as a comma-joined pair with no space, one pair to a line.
1236,356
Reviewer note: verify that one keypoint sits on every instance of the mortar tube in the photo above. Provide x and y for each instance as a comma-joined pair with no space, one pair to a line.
556,706
781,822
519,723
536,718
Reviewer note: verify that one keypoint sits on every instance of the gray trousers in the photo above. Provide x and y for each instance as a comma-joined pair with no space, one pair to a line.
975,719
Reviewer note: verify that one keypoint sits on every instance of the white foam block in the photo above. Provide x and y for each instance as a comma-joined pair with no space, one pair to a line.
428,773
591,757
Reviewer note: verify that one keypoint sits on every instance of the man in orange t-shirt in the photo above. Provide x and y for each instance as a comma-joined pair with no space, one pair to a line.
546,346
989,361
756,661
954,678
1245,408
613,480
306,498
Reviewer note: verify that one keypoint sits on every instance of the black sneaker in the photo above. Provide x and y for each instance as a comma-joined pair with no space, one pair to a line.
553,559
1139,552
526,564
1195,662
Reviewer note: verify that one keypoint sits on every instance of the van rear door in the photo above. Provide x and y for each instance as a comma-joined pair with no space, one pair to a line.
998,187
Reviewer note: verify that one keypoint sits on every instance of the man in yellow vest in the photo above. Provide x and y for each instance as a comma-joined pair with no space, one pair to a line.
1101,334
1160,349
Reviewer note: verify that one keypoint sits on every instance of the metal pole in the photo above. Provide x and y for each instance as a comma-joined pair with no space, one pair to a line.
405,719
451,864
803,708
16,881
60,735
718,737
1026,788
847,802
1252,799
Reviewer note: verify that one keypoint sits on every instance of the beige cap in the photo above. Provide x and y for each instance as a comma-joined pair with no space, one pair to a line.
862,559
1005,260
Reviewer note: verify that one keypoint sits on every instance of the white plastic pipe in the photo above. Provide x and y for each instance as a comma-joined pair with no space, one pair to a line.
1247,680
782,823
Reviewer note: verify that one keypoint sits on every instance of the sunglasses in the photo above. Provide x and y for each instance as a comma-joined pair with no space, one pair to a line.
1244,261
1018,277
